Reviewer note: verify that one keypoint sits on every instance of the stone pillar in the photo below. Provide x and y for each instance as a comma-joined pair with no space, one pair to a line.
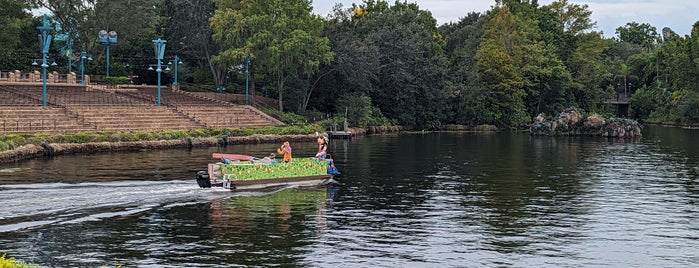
71,78
13,76
52,77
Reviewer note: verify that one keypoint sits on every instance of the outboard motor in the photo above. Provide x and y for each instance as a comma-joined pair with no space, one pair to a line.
203,179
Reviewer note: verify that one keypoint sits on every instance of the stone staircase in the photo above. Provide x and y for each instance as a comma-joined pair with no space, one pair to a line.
75,108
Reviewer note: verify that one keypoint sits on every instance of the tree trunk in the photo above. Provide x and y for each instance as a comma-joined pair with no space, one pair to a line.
307,98
252,88
280,85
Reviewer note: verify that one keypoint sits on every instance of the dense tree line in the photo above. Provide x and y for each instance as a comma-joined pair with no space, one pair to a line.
380,62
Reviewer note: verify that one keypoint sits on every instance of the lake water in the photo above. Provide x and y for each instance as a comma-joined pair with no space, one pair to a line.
406,200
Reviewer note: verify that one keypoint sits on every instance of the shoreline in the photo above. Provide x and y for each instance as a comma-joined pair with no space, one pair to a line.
30,151
44,149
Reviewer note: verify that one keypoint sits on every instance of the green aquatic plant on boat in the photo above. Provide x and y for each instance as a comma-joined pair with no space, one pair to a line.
12,263
299,167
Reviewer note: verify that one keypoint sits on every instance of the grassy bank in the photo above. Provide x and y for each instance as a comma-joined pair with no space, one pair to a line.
15,147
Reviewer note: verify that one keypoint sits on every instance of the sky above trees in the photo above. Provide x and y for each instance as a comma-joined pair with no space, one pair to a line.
679,15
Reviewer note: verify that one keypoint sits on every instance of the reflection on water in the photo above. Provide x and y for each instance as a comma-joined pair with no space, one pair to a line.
412,200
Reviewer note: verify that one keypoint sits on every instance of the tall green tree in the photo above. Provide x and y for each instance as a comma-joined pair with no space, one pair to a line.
14,17
411,60
463,86
569,31
18,35
280,36
189,35
513,63
642,34
354,67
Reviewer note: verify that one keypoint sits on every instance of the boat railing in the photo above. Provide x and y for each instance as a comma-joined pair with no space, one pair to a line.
228,177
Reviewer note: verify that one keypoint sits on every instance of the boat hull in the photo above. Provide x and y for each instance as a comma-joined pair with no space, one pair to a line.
309,181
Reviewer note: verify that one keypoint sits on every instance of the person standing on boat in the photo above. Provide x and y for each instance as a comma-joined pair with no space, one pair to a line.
322,147
285,151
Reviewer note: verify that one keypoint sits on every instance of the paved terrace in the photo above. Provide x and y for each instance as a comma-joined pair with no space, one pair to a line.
74,107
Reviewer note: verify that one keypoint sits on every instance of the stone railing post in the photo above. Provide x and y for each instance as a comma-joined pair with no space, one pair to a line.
12,77
71,78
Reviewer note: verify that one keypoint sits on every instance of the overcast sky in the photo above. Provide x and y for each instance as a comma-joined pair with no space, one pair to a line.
679,15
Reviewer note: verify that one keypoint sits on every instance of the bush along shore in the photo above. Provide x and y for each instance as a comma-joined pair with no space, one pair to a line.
19,147
573,122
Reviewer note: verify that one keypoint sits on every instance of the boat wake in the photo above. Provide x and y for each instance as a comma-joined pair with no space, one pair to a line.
28,206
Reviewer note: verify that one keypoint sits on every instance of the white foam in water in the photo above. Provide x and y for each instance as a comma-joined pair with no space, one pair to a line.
23,225
34,205
101,216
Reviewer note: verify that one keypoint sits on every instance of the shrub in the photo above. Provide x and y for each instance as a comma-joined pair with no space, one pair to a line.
12,263
116,80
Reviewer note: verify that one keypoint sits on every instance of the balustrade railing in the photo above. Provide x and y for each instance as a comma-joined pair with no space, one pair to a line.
35,77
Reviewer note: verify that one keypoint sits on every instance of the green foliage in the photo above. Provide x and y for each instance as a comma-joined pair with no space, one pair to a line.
281,36
12,263
500,67
644,102
357,106
360,112
287,118
405,66
202,76
500,58
687,105
642,34
116,80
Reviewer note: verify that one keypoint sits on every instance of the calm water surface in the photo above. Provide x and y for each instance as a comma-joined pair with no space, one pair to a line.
406,200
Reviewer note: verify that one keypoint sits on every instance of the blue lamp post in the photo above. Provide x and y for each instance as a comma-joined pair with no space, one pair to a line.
247,77
83,57
69,44
159,52
107,39
175,64
45,43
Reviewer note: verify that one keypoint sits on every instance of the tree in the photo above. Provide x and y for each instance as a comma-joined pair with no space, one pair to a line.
642,34
13,18
463,88
568,31
18,34
134,21
515,65
188,32
411,62
280,36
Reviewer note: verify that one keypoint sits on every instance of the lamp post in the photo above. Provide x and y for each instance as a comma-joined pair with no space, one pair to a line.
107,39
69,44
83,57
175,64
45,43
159,45
247,77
